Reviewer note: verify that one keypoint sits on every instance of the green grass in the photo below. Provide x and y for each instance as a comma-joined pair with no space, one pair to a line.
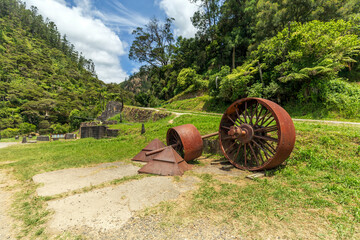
317,111
206,103
197,104
10,140
319,186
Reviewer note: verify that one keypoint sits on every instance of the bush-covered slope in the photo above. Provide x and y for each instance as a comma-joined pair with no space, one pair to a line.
42,78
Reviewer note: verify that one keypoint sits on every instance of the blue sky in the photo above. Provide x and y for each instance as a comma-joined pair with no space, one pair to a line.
101,29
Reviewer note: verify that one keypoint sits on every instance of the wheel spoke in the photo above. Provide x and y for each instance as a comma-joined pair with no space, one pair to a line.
252,150
227,128
262,117
267,148
245,153
267,129
269,122
238,115
231,120
229,137
252,113
230,147
258,152
237,154
264,121
243,112
266,153
269,145
256,110
266,138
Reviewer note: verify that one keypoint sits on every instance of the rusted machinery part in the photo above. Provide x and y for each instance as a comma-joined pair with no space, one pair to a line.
186,141
256,134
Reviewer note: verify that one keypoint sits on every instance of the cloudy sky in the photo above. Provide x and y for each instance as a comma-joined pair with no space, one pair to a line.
101,29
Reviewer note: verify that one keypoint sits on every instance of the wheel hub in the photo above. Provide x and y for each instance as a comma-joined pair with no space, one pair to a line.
244,133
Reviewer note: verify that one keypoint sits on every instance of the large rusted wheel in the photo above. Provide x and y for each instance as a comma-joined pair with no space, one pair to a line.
256,134
186,141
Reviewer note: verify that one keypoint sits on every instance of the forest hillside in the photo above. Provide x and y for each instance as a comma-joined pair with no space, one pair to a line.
45,84
301,54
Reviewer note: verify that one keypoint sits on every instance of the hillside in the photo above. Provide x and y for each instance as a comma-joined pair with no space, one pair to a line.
306,56
45,83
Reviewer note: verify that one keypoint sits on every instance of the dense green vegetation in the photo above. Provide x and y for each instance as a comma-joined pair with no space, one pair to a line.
304,52
318,186
45,84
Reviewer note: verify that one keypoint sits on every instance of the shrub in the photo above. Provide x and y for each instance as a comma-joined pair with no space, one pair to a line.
216,79
10,132
189,80
256,90
342,96
44,131
26,128
57,128
234,88
44,124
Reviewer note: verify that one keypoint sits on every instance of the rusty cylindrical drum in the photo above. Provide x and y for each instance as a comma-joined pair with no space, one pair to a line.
187,140
256,134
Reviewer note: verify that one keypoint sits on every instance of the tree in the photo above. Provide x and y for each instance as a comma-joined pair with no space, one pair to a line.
154,44
207,17
272,16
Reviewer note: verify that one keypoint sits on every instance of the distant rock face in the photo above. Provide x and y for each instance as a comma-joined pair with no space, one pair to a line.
112,108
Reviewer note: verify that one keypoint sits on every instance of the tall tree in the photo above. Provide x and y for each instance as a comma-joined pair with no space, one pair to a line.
207,17
153,44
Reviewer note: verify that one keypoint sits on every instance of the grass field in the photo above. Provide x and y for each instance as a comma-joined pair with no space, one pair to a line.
315,195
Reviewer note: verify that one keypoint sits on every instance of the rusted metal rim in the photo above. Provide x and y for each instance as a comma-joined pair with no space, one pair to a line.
256,134
186,140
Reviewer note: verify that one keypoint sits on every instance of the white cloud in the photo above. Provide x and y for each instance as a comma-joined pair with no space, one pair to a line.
121,16
182,11
88,34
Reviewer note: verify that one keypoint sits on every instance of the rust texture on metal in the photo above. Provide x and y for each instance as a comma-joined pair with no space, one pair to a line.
153,145
166,163
187,140
256,134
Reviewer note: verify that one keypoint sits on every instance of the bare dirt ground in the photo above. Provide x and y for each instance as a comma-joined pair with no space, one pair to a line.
5,201
7,144
6,221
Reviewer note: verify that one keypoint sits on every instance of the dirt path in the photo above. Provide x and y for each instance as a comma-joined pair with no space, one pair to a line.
7,144
5,204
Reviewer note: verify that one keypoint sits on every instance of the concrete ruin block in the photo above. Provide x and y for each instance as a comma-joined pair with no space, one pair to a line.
112,132
96,132
70,136
43,138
